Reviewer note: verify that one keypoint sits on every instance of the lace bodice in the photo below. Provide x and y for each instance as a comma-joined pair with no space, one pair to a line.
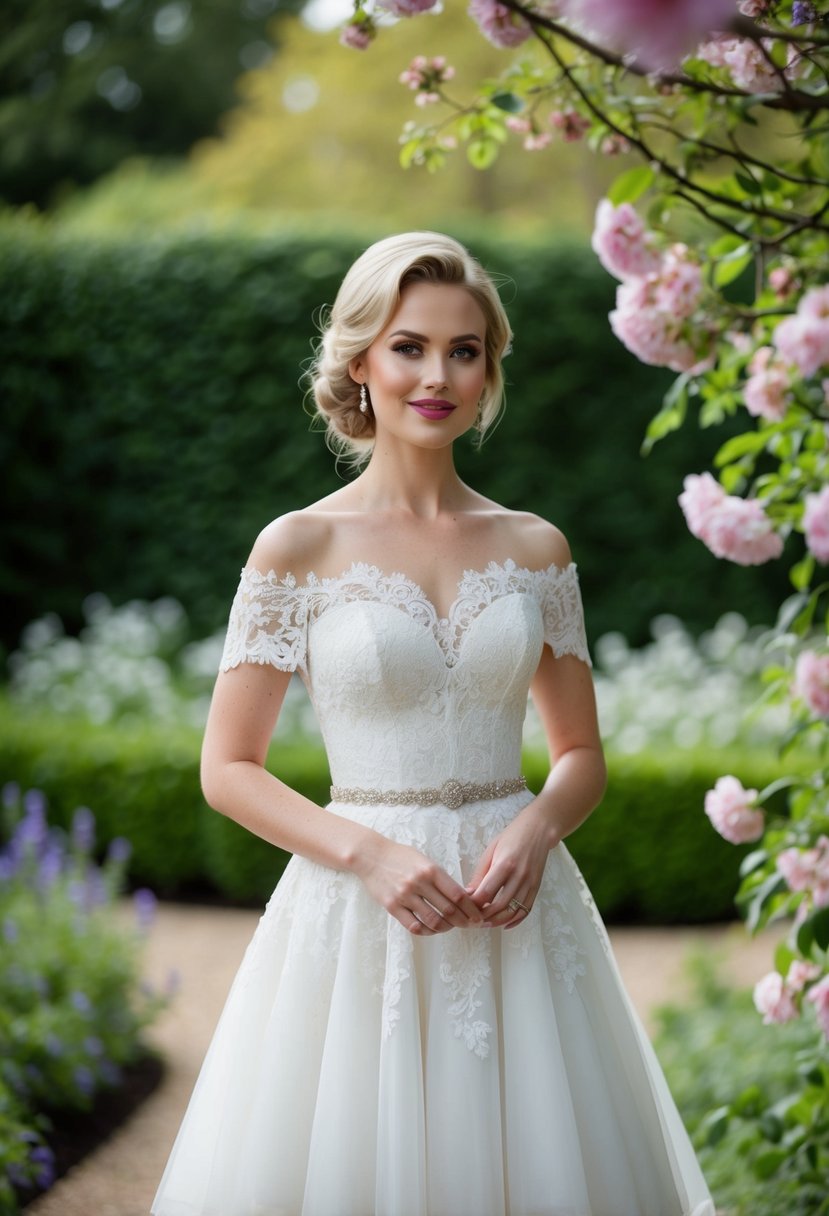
404,697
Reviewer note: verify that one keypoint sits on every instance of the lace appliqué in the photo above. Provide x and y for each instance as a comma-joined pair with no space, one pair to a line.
463,968
270,615
268,622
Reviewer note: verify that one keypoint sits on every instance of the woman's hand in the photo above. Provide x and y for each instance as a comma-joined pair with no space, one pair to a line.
511,870
415,890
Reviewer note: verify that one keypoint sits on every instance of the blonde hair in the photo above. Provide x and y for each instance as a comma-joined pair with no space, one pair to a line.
366,302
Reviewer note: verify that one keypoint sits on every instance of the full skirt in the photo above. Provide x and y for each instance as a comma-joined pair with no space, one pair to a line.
357,1070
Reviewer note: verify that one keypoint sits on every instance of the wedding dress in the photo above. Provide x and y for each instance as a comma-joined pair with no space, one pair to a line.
358,1070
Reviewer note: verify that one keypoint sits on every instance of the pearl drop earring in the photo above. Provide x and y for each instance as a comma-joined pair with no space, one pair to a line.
363,400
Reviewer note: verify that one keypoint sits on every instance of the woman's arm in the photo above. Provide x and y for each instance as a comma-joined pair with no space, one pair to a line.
513,864
243,712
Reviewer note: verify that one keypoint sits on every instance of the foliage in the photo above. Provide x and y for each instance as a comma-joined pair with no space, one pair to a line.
71,1009
713,1047
727,122
83,86
151,402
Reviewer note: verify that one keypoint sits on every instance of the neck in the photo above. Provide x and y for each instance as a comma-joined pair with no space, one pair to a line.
419,481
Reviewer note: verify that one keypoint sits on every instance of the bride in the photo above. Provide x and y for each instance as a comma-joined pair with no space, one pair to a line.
428,1020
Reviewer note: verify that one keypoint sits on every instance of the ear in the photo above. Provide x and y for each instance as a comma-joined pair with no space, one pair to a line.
356,370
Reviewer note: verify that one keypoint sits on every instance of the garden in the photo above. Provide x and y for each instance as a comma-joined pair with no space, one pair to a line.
153,334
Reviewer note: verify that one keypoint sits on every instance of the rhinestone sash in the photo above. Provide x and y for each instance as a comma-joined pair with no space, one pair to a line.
451,794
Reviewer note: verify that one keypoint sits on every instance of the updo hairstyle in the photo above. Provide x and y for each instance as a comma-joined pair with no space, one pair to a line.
367,300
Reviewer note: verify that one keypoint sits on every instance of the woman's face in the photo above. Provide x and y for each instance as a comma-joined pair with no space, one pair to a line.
426,371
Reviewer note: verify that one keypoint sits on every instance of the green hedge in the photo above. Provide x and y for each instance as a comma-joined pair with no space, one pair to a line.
153,423
648,852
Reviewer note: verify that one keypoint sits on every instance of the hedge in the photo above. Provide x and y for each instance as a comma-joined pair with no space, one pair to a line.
648,852
153,423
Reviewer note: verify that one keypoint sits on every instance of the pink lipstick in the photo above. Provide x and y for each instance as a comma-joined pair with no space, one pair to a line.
431,408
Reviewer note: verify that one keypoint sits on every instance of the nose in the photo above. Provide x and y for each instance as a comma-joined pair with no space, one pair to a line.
436,375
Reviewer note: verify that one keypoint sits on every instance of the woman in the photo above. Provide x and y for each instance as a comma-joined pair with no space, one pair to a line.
428,1020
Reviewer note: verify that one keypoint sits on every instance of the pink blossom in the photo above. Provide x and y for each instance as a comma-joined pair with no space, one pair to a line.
800,973
735,528
622,244
519,124
815,303
359,35
811,681
745,61
499,24
570,123
408,8
653,336
766,392
729,808
753,8
804,341
782,281
816,524
614,145
798,867
537,140
679,283
773,999
423,73
656,33
702,495
818,994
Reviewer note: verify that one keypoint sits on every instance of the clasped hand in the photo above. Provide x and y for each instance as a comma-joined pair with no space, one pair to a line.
426,900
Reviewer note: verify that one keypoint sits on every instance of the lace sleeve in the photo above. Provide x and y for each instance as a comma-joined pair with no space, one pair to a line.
267,623
563,613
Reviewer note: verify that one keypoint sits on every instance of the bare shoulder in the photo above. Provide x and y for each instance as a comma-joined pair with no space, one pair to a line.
535,542
293,543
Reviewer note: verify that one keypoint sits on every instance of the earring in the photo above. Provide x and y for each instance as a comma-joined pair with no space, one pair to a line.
479,418
363,400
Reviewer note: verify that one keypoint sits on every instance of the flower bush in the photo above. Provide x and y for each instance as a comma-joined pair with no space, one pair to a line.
71,1007
722,104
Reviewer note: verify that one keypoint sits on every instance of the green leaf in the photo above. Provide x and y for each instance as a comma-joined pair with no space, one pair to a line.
671,416
820,927
750,862
731,268
750,442
784,956
748,183
767,1164
508,102
481,153
629,185
716,1125
801,573
725,244
770,887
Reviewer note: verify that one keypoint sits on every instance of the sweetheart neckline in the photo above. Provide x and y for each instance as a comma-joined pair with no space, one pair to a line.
312,581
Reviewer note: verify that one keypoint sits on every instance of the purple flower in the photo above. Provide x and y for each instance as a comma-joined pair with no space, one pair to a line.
51,864
44,1159
81,1002
34,803
16,1175
145,903
119,851
8,867
803,12
53,1045
83,830
93,1046
10,794
10,930
84,1079
32,829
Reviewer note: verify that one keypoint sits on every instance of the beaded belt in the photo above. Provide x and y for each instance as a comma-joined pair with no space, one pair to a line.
452,793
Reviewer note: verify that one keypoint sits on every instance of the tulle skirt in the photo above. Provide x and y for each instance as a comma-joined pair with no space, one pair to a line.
357,1070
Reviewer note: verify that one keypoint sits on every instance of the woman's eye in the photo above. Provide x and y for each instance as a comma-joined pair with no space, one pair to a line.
466,352
407,348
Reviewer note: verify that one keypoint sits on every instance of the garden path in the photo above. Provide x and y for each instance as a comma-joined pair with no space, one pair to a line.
205,945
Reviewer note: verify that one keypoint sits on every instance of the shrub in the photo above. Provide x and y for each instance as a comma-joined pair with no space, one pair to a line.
71,1009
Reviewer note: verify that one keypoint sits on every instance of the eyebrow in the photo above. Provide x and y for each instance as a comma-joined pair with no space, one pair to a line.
408,333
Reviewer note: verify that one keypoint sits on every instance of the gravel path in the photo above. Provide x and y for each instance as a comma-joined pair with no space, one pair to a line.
205,945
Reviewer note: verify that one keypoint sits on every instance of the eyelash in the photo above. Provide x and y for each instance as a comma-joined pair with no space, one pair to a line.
403,348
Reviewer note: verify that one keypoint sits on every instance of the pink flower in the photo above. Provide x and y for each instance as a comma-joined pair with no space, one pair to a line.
423,73
815,303
744,59
679,283
800,973
804,338
735,528
408,8
537,140
811,681
798,867
773,999
729,808
653,336
499,24
816,524
622,244
657,33
702,495
766,392
782,281
614,145
571,124
818,994
358,34
515,122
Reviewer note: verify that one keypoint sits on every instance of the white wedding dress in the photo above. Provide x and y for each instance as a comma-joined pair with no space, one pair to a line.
358,1070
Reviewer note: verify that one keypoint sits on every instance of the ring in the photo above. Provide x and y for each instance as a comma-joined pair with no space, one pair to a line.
515,904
